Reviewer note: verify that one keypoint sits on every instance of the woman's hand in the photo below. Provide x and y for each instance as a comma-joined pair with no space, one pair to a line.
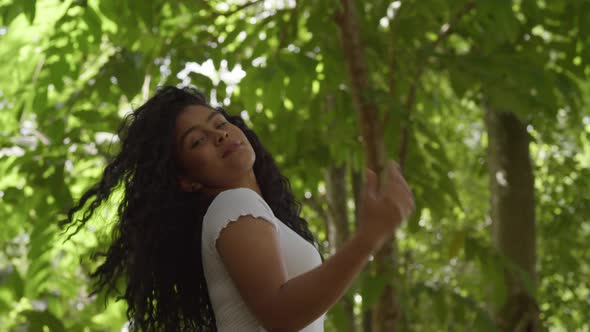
383,210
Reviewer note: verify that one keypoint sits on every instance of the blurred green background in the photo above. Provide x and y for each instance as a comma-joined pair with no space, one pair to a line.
470,89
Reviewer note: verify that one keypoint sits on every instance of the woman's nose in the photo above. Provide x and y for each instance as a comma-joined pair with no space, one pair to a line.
223,136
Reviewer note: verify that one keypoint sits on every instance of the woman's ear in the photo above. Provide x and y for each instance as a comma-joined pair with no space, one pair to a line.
187,185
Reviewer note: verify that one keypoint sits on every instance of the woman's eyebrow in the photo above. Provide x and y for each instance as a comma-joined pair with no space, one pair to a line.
214,113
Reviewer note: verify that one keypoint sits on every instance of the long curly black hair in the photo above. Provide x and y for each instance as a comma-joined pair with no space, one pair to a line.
156,246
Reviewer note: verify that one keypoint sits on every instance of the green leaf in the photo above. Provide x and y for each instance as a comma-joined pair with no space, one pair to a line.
202,82
457,242
460,82
94,23
98,120
144,10
11,285
440,305
497,16
273,90
458,307
338,315
484,323
29,9
38,278
59,189
10,12
128,73
372,289
12,195
471,248
414,221
494,271
40,100
39,319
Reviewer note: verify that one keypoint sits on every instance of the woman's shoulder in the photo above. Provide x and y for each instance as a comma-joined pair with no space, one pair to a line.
229,206
238,199
236,195
241,191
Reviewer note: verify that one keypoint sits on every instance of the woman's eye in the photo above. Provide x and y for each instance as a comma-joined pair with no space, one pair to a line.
196,142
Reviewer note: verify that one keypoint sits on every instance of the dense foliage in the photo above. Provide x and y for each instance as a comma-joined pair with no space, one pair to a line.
70,70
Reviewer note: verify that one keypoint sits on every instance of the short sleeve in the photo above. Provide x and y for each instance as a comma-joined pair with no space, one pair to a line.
228,206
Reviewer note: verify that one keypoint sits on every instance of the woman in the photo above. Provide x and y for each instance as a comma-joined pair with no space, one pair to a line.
208,235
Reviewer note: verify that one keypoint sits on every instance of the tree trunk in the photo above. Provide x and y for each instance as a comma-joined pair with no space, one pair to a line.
336,197
338,226
357,186
513,215
386,313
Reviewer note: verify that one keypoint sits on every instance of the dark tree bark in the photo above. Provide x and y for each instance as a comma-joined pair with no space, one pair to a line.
336,197
338,224
357,185
513,215
387,311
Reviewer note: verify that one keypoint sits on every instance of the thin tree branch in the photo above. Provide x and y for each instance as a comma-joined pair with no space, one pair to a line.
38,69
371,129
214,13
194,21
444,32
229,12
316,206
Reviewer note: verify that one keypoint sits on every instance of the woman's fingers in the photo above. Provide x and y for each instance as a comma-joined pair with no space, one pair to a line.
405,198
396,190
400,177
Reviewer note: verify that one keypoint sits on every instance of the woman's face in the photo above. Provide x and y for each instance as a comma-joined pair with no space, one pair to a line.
203,136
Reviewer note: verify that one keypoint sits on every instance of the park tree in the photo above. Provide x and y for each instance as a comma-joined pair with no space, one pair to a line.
482,103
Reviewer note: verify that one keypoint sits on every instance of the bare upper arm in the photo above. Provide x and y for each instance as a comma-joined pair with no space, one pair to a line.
249,248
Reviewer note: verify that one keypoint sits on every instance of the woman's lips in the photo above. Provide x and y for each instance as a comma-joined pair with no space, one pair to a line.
231,148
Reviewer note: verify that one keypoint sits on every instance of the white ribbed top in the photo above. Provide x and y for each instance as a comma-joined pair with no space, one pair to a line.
299,256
